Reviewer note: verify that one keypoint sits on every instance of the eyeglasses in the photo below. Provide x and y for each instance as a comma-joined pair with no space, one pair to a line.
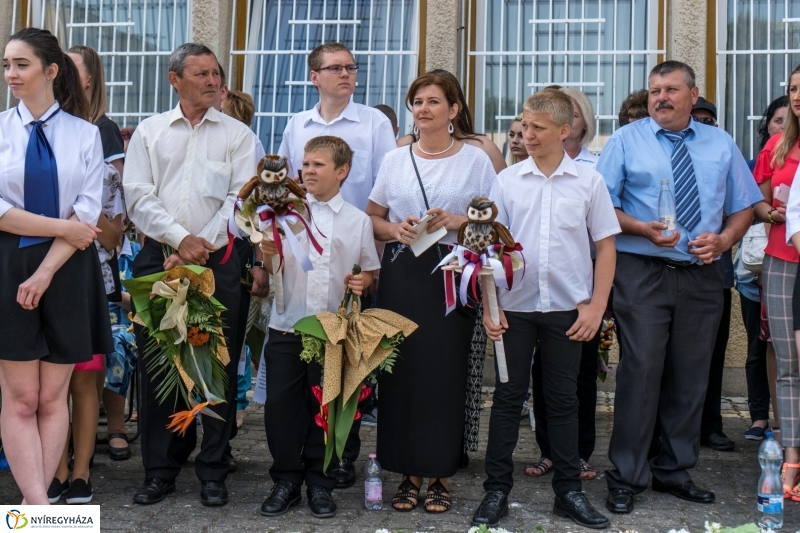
337,69
708,121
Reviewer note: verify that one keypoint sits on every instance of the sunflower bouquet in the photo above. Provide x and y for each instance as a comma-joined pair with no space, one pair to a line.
186,348
349,346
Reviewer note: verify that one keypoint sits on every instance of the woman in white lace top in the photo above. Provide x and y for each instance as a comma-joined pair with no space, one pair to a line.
421,420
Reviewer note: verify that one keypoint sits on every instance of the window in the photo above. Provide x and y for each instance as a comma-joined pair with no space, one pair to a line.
279,36
758,46
134,39
604,48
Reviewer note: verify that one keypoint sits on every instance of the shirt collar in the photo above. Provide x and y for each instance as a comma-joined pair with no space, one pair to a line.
567,167
350,112
334,203
657,129
27,117
211,114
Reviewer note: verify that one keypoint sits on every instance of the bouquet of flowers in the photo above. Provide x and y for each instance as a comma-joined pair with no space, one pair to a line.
186,347
348,346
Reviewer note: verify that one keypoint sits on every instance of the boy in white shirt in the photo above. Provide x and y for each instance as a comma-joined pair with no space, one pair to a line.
552,205
345,235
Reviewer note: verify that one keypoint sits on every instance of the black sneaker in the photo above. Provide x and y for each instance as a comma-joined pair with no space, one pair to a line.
57,490
79,492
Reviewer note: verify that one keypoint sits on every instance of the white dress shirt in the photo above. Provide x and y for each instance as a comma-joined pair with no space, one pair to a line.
586,157
368,132
79,158
348,241
793,208
553,218
182,180
450,183
259,150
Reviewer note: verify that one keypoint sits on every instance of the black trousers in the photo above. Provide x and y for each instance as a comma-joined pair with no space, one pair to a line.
244,250
668,319
163,451
712,414
295,442
587,401
755,367
561,359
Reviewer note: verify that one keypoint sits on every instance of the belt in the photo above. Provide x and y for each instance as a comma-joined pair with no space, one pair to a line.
669,263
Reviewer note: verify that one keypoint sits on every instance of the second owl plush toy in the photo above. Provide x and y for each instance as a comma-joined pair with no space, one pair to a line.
482,231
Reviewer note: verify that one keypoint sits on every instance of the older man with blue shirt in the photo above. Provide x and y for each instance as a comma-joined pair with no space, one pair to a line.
668,288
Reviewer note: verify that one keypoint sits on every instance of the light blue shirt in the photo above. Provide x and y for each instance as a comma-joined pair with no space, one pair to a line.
637,157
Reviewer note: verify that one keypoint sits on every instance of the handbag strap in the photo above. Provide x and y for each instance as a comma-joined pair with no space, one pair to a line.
419,178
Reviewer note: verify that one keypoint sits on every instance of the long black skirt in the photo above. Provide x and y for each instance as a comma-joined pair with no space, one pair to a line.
71,322
421,422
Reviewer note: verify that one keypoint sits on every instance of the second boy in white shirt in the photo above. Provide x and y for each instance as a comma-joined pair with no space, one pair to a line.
346,237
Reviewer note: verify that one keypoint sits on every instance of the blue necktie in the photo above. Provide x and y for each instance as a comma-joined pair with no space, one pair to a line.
41,178
687,197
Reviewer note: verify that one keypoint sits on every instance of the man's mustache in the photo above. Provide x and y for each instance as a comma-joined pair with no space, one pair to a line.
664,105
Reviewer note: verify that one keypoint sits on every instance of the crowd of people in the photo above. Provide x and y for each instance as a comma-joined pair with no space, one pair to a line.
85,205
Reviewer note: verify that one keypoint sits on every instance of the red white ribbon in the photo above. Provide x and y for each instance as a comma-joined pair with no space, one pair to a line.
267,220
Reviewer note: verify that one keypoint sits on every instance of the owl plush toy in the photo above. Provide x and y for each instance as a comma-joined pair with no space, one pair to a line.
482,230
272,186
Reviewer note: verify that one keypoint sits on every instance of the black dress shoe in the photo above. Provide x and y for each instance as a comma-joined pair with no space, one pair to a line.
493,507
320,501
619,501
154,490
686,491
282,497
718,441
345,474
576,507
213,493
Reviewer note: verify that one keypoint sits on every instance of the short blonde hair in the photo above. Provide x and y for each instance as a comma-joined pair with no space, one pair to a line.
340,151
551,101
240,106
585,105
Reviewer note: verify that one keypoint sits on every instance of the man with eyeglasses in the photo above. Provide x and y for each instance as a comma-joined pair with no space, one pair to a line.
711,433
369,134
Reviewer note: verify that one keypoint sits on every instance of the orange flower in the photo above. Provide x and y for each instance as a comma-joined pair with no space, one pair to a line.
183,419
197,337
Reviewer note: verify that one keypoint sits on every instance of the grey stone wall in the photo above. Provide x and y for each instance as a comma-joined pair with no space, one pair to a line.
211,26
442,39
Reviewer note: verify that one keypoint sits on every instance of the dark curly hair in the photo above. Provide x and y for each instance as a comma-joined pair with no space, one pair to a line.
763,124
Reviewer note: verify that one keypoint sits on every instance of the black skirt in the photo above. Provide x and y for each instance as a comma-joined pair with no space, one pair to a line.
71,322
421,421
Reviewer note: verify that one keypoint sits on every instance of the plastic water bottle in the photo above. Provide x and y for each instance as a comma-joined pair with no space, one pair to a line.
666,209
373,485
770,487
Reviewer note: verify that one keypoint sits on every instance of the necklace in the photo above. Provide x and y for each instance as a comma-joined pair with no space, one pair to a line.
421,149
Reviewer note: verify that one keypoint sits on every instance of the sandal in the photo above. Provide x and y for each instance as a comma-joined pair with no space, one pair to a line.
407,494
790,491
119,454
587,471
438,496
539,468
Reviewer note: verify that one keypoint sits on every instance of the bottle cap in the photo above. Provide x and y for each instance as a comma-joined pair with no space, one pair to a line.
372,456
770,435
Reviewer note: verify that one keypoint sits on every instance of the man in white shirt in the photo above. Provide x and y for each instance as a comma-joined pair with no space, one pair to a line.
369,134
183,171
367,130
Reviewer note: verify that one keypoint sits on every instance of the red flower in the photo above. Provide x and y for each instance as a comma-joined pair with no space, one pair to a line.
321,422
317,391
365,391
358,415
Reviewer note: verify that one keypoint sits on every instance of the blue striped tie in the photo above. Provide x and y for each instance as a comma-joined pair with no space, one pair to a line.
687,197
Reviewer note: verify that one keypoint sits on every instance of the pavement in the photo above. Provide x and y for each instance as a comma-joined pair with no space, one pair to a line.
733,476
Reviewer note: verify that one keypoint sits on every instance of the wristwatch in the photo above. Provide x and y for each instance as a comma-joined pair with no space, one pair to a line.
259,264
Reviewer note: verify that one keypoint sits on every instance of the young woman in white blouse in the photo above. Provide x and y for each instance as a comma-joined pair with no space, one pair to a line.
421,421
51,294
